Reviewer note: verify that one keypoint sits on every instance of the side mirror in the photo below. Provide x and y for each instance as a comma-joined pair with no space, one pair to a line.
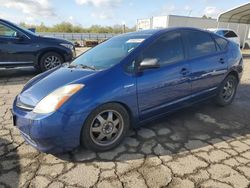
19,36
149,64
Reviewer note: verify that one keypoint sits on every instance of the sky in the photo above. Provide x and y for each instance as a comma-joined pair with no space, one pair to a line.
107,12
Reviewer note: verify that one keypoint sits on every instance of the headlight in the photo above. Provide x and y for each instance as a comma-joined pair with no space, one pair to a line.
70,46
56,99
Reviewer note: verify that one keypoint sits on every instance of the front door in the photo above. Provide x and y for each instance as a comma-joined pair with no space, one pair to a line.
160,88
15,47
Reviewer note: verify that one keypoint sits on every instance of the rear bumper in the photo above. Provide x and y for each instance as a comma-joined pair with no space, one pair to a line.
53,133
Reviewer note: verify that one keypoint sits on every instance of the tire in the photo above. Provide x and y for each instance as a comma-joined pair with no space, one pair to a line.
225,97
50,60
101,124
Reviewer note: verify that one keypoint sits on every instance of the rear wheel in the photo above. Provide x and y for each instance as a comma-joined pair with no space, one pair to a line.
105,128
50,60
227,91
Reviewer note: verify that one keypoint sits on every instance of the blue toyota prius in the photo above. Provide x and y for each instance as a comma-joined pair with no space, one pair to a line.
122,83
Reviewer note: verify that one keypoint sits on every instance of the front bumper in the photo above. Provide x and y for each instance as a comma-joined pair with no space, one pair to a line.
70,55
53,133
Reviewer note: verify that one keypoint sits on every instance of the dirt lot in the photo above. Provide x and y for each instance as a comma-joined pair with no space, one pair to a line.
200,146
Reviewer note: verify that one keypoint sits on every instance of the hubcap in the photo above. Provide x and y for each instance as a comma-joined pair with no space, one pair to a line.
51,62
106,128
228,90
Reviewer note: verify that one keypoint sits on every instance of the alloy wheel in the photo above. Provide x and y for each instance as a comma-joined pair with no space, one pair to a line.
51,62
228,90
106,128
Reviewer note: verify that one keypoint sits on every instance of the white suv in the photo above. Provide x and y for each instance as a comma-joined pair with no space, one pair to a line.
227,33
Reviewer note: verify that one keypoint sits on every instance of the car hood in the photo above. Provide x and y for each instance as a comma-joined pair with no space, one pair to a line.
44,84
53,39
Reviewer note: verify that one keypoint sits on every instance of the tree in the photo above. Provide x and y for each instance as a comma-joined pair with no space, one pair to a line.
66,27
206,17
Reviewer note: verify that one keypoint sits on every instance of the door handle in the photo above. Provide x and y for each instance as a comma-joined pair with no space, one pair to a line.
184,71
221,61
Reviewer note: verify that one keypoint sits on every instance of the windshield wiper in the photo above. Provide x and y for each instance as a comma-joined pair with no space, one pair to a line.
83,66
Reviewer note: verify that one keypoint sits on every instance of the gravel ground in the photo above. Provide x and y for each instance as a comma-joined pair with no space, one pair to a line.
200,146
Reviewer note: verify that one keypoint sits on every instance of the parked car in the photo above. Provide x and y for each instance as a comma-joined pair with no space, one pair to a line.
21,47
123,83
227,33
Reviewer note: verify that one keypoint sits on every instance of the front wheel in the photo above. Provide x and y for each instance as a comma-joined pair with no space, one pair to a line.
50,60
105,127
227,91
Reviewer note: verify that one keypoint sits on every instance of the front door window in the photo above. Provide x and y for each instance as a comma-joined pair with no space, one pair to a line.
6,31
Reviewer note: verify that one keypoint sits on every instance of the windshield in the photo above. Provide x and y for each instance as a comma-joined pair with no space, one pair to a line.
111,52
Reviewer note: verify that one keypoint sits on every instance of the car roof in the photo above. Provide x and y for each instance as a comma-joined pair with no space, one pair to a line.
6,21
220,29
151,32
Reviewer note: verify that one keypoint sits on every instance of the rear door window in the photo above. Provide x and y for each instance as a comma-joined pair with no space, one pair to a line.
199,43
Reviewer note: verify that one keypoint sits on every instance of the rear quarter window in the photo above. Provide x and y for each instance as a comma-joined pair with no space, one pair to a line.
220,42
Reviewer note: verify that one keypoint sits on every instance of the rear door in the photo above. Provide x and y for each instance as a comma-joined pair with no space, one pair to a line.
158,89
208,62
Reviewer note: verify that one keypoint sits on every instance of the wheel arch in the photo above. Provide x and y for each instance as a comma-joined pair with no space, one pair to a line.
128,110
42,53
234,73
125,106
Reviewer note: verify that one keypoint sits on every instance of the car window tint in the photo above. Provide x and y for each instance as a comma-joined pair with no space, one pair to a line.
221,42
6,31
200,43
219,33
167,49
229,34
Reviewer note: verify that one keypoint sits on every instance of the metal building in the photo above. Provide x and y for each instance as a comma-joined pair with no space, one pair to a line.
239,15
202,23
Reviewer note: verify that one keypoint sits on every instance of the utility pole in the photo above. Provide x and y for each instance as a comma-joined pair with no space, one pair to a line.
123,28
189,14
